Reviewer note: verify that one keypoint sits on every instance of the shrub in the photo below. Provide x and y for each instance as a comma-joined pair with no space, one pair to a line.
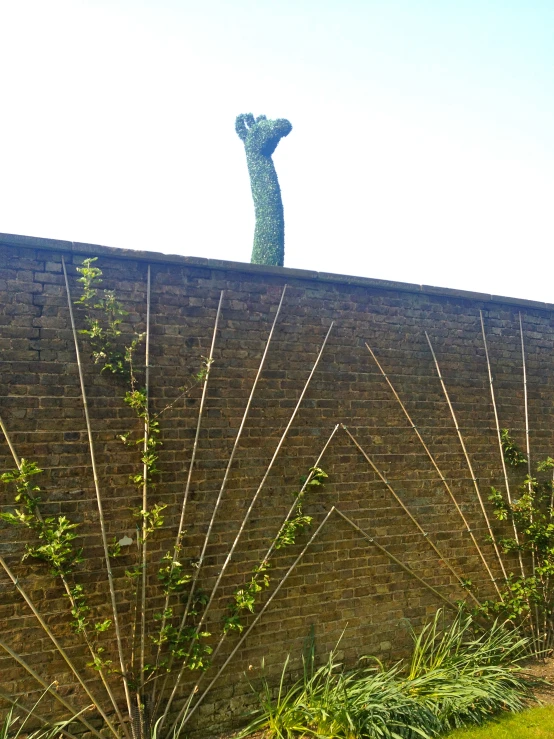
458,675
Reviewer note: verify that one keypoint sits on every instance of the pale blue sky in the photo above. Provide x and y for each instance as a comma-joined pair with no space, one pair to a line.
422,147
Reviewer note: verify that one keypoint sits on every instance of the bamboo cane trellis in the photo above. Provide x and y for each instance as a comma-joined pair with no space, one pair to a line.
136,700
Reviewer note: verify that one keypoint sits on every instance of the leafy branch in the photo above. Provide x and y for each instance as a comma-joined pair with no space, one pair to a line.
56,548
245,597
527,597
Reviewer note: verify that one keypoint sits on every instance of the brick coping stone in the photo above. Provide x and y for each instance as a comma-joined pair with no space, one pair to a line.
76,247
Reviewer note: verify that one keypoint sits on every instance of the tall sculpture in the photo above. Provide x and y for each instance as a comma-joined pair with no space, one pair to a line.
260,138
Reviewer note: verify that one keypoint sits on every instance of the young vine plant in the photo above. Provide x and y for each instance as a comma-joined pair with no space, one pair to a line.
55,538
527,599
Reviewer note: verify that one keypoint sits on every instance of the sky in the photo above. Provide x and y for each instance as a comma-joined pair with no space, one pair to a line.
422,147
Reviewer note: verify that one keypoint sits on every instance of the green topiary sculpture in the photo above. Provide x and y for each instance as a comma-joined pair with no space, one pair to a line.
260,138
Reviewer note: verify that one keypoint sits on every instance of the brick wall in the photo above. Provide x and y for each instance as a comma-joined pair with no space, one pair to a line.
344,581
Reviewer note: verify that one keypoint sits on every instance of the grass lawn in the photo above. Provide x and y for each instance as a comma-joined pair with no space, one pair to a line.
535,723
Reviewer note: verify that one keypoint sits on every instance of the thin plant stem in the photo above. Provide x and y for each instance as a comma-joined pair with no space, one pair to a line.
31,712
410,515
247,516
58,646
272,546
244,636
181,526
397,561
145,474
134,621
224,484
71,598
139,725
49,689
548,632
438,470
468,461
98,497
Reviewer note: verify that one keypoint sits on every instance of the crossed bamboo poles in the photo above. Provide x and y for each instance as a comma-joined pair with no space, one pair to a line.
243,524
181,717
99,503
186,712
180,528
343,516
49,688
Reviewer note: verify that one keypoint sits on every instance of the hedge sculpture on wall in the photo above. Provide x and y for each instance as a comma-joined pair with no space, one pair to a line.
260,138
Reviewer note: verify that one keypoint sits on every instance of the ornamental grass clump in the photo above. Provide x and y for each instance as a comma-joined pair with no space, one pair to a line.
13,725
464,674
458,675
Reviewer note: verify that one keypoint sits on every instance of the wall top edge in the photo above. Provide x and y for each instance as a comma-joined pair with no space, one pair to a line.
76,247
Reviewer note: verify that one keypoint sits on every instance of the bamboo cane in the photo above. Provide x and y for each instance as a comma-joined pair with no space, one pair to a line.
526,410
408,512
499,437
58,646
98,496
526,406
270,550
48,688
468,461
229,463
439,472
528,450
32,712
548,629
224,483
535,636
144,544
182,720
503,461
10,445
391,556
189,477
300,494
245,519
70,596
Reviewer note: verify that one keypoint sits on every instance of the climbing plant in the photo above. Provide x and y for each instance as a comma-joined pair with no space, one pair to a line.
244,598
260,137
182,636
527,598
178,635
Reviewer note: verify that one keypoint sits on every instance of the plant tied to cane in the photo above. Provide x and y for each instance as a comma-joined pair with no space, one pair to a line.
531,513
299,521
245,597
56,533
56,548
104,323
182,638
172,573
105,314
